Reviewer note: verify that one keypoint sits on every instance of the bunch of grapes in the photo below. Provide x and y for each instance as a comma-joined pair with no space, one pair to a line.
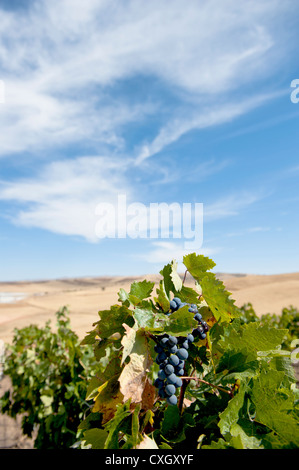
172,352
203,327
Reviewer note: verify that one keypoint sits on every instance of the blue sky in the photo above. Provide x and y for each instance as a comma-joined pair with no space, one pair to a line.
163,102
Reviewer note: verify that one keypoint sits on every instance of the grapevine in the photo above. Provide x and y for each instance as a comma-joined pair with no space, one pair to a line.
184,366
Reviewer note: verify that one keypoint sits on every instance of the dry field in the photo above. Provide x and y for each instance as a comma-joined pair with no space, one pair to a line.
86,296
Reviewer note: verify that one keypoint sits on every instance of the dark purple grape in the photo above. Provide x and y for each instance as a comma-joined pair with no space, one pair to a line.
177,301
173,349
174,360
161,357
173,305
172,400
192,310
170,389
190,338
179,382
198,317
161,374
172,340
171,379
164,342
158,348
168,369
182,353
162,393
159,383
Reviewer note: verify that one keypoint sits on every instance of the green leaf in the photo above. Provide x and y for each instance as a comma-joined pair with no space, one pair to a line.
238,364
145,317
135,426
198,265
95,437
93,385
170,421
123,297
162,298
247,437
230,415
171,279
253,336
113,426
274,405
112,320
181,322
218,299
177,282
141,290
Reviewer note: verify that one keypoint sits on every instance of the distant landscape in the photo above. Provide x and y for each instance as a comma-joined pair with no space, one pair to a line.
35,302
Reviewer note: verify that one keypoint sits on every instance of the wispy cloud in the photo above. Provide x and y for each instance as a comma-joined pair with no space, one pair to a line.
61,60
63,196
164,251
232,204
247,231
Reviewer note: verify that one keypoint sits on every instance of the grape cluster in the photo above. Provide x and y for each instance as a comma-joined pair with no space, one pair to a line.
203,327
172,353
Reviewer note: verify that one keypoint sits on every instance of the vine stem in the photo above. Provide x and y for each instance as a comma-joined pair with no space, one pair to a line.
207,383
185,276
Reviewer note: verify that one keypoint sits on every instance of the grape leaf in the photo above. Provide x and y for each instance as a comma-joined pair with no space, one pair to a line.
171,279
145,317
162,298
230,415
113,426
254,337
127,341
274,405
133,376
109,396
238,364
181,322
177,281
95,437
197,265
141,290
111,321
218,298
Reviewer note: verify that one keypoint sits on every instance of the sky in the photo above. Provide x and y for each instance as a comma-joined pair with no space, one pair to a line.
158,102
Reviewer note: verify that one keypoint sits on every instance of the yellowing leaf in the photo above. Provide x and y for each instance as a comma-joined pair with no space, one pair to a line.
127,341
109,395
133,377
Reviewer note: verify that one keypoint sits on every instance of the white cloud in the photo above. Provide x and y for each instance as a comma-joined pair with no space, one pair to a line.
231,205
164,251
61,58
60,61
63,197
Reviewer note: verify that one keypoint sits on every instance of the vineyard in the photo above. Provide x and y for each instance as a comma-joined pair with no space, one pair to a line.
174,368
